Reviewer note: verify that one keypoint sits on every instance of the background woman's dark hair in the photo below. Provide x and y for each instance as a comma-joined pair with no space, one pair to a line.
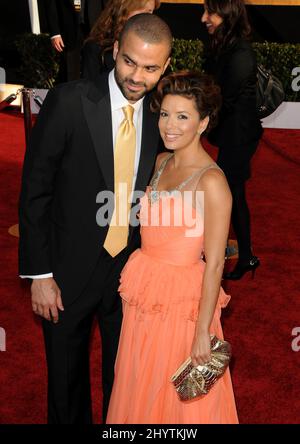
192,85
110,23
235,22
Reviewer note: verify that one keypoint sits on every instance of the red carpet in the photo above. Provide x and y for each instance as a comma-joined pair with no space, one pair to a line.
258,322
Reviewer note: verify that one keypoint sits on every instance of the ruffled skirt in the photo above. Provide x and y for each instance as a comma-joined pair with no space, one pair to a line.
160,307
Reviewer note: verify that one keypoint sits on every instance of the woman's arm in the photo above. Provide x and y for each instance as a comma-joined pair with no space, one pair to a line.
217,212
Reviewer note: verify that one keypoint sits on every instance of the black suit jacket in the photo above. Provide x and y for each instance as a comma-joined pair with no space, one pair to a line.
235,70
62,18
68,162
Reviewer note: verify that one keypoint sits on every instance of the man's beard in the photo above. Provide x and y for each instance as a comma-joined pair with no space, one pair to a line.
130,95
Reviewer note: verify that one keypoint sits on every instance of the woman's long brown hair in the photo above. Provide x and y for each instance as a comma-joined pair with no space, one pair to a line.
235,22
108,26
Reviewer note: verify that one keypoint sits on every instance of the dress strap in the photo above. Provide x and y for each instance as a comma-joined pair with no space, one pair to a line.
158,173
199,173
208,167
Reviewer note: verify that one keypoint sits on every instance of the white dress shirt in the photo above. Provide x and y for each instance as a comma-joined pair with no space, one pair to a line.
118,101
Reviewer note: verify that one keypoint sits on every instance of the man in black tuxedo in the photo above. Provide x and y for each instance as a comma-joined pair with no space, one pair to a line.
69,23
95,7
69,161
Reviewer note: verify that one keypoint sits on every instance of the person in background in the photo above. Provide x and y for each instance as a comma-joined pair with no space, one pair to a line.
97,50
232,61
69,23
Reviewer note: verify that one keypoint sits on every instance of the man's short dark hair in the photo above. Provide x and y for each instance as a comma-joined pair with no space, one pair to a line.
148,27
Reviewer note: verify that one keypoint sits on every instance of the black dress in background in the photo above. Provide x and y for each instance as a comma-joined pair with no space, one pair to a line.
94,61
237,136
239,128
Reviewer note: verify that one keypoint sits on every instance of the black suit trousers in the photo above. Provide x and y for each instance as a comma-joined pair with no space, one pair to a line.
67,344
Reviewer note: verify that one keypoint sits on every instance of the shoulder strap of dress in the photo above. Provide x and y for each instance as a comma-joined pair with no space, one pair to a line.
208,167
198,174
157,174
164,162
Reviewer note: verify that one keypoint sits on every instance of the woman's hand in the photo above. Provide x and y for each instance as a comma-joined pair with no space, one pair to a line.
201,348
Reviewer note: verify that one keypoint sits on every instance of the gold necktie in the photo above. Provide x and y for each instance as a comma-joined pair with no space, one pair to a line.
124,157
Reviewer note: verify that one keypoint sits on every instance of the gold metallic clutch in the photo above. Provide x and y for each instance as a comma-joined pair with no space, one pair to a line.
191,382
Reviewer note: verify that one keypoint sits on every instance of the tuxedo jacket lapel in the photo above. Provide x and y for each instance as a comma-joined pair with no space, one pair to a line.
97,110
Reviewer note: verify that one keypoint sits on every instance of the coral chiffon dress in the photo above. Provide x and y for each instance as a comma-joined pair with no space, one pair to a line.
160,287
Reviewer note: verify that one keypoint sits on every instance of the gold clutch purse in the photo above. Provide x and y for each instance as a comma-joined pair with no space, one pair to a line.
191,382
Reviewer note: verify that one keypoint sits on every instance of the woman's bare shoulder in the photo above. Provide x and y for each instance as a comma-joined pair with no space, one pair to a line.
214,183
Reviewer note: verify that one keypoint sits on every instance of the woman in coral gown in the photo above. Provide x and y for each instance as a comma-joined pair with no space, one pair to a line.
171,298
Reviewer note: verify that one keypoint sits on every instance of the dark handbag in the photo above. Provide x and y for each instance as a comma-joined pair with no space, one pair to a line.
269,93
